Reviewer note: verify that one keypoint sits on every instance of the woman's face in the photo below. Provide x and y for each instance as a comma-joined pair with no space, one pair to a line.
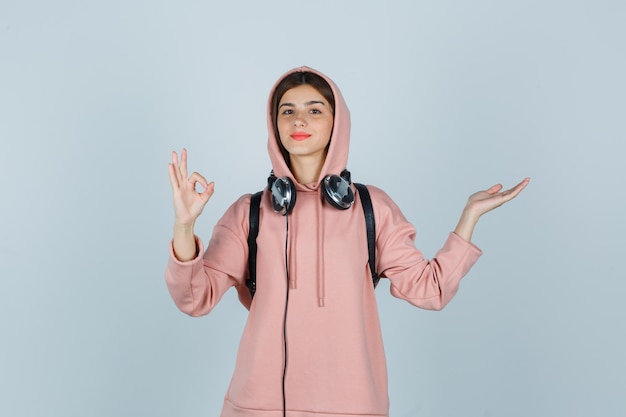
305,122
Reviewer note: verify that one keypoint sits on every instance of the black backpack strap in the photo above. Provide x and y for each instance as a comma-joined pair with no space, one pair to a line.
255,204
370,224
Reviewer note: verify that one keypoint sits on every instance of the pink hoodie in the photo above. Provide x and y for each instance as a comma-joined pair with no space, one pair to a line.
336,361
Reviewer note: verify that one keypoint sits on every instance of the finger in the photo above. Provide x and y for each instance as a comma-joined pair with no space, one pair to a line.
173,177
524,182
196,178
183,163
208,192
494,189
513,192
521,185
176,167
208,188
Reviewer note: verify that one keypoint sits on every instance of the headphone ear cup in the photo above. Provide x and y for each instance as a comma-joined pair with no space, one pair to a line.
337,192
283,193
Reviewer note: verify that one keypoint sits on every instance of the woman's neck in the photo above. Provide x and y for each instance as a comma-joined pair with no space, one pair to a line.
306,170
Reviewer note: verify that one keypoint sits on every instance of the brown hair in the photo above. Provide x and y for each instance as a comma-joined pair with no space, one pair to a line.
292,80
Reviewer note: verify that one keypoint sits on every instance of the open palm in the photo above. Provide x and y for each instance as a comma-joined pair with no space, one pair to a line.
483,201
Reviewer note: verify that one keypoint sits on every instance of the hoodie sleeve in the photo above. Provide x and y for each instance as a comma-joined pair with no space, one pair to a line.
196,286
429,284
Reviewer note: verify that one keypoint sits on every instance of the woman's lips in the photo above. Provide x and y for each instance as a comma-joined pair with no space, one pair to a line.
299,136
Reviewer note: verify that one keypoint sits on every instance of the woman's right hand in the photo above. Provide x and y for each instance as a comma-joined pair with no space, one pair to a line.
188,202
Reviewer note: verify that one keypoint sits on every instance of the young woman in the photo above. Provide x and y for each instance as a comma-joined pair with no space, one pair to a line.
312,345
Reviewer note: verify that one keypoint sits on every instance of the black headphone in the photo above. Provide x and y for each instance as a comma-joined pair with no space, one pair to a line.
335,188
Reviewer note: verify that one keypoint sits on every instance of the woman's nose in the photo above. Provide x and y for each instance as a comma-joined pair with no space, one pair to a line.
299,121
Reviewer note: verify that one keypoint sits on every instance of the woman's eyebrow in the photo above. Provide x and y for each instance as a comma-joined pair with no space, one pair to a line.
308,103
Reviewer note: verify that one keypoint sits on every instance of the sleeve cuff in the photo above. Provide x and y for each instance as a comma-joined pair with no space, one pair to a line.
458,240
197,259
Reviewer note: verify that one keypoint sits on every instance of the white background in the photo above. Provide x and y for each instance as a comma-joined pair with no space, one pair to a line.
447,98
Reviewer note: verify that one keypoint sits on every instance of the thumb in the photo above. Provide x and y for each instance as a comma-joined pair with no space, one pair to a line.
494,188
208,192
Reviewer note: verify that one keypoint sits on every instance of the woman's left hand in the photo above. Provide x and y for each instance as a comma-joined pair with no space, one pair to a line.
483,201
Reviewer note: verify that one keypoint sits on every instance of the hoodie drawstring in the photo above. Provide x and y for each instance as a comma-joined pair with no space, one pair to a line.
320,256
293,265
320,272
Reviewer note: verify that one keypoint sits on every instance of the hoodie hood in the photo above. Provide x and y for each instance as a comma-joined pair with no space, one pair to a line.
337,156
334,164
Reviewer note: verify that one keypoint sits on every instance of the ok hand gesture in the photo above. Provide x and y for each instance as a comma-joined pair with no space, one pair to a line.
188,202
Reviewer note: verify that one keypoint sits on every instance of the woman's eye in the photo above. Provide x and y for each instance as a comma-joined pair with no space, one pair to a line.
288,111
315,111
